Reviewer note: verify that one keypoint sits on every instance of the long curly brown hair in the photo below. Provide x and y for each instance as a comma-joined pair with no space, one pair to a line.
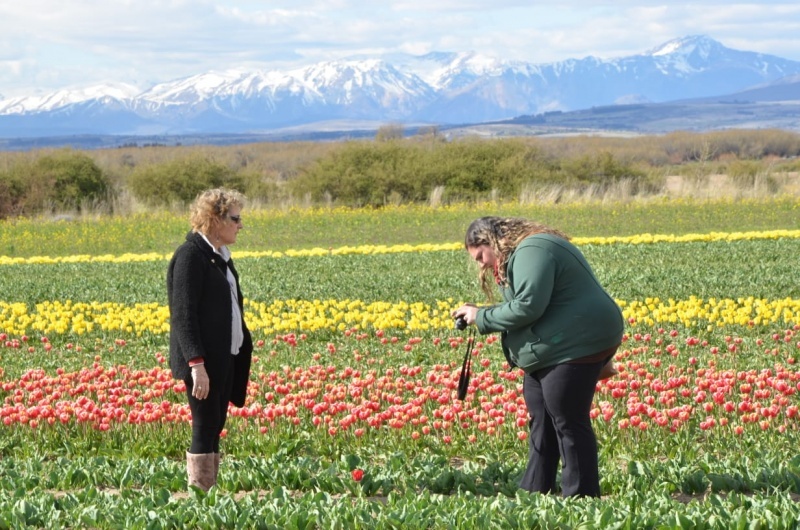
502,234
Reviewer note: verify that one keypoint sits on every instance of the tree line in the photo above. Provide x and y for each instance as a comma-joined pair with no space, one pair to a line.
388,169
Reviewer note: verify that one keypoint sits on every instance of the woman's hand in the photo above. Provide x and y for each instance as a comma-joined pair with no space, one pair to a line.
201,383
468,311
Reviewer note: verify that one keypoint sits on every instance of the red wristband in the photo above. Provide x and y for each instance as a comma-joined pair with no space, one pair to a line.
196,361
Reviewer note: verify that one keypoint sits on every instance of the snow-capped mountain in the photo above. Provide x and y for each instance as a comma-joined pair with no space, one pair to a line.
104,94
438,88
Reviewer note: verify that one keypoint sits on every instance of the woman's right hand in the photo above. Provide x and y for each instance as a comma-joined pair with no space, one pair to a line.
200,381
468,311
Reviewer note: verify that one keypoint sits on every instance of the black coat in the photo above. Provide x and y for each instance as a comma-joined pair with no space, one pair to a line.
200,316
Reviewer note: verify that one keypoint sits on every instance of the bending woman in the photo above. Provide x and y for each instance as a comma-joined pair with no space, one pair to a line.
561,327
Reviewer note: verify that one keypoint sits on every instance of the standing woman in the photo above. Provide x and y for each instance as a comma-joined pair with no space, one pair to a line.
210,346
560,326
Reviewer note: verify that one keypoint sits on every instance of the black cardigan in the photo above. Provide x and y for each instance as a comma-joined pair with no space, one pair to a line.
200,316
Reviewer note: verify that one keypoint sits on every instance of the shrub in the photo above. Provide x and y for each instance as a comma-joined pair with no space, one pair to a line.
262,187
359,173
378,173
602,168
180,181
72,177
61,180
12,195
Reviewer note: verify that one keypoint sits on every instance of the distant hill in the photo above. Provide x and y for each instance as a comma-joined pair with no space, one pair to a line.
773,105
785,89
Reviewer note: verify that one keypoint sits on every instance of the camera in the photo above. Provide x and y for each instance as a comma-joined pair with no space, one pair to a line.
461,323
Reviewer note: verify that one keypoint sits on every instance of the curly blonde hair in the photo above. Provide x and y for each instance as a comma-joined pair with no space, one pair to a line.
211,207
502,234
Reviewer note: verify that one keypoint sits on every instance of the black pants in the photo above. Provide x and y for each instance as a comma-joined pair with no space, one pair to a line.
559,399
209,415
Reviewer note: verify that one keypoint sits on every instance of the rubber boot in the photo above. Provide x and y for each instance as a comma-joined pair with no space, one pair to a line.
201,470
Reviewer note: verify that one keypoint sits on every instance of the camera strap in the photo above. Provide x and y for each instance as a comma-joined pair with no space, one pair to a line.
466,366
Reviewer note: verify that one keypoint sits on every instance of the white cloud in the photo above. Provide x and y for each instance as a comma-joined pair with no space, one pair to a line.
48,44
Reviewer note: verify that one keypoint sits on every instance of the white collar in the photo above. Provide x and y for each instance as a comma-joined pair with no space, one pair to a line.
223,251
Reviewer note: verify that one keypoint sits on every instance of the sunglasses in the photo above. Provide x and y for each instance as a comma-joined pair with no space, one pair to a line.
235,218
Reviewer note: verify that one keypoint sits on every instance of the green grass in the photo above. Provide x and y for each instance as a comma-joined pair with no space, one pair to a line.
301,229
760,268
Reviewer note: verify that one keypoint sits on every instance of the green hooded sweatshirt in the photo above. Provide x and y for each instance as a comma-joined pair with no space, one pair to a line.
554,308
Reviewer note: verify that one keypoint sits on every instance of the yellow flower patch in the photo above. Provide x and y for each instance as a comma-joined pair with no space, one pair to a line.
427,247
288,316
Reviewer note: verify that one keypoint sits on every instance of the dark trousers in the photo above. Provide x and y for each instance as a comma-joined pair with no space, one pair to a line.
209,415
559,399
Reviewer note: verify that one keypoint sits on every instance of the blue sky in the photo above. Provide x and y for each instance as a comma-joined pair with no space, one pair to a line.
46,45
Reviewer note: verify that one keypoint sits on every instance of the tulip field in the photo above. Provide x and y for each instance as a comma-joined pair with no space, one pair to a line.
352,419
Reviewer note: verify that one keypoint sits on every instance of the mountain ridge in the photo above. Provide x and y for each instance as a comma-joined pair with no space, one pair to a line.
444,89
